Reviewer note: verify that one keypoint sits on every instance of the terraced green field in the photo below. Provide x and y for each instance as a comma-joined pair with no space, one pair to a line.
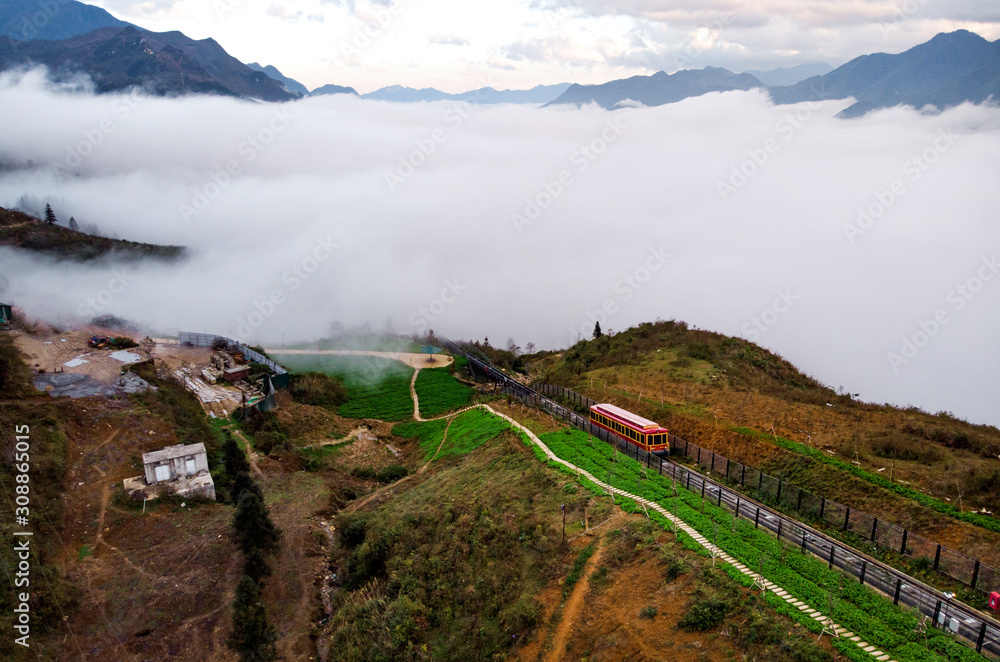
439,392
376,387
857,608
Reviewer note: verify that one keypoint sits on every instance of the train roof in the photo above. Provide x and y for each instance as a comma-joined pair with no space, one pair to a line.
626,416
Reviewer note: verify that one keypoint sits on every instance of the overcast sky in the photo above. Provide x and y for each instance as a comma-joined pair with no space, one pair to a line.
865,251
456,46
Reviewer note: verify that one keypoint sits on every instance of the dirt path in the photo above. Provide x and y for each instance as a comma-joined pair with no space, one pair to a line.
417,361
574,607
413,395
251,454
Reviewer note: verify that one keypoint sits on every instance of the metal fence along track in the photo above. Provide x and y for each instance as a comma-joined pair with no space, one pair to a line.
970,626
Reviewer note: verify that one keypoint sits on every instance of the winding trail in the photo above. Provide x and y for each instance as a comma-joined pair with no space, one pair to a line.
571,612
826,621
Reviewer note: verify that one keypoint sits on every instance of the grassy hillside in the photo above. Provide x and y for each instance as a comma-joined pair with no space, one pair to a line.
25,232
730,396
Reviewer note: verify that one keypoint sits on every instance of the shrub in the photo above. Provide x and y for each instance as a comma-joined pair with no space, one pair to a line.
705,614
317,389
392,473
648,612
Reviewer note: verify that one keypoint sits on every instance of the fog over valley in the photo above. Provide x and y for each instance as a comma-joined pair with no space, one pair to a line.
866,251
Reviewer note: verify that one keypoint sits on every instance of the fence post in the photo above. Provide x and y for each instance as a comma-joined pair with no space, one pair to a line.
874,528
833,554
743,478
719,504
780,483
648,456
760,480
975,574
737,507
780,522
661,465
803,541
902,547
864,570
847,519
799,505
699,455
937,558
689,489
899,585
703,483
822,506
756,519
937,612
713,463
982,638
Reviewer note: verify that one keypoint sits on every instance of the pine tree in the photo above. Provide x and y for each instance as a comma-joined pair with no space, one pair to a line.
50,216
597,330
255,565
253,525
73,225
253,637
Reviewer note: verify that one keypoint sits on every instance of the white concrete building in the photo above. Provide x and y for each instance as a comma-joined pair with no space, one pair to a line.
181,470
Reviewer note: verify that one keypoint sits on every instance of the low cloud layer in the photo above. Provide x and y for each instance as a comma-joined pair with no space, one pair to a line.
865,251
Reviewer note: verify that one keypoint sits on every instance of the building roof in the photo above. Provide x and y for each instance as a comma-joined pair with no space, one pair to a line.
171,452
626,416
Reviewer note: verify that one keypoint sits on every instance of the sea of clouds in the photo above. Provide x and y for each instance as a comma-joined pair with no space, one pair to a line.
864,251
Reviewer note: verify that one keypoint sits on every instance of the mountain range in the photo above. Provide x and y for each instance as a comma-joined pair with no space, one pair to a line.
164,63
658,89
949,69
70,37
25,20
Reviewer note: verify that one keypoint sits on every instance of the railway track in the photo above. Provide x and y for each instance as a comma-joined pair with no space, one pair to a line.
970,626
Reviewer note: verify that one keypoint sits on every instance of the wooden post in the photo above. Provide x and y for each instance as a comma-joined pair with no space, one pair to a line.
937,558
902,547
899,586
864,571
756,519
847,517
874,528
833,554
822,506
975,574
586,519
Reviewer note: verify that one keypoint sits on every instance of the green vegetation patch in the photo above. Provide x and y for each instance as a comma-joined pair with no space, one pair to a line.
857,608
449,569
925,500
438,392
376,387
470,430
428,434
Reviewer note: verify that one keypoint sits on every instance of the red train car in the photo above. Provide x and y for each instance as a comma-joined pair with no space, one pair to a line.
644,433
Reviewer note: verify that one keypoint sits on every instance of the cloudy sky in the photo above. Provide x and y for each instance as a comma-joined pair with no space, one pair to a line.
456,46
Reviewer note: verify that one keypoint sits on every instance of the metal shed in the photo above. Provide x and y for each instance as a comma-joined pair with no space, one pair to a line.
6,313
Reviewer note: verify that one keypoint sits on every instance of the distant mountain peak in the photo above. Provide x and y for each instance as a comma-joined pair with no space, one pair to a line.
659,88
949,69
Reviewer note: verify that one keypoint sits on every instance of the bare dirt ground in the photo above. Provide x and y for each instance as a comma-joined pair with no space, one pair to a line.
150,586
99,372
